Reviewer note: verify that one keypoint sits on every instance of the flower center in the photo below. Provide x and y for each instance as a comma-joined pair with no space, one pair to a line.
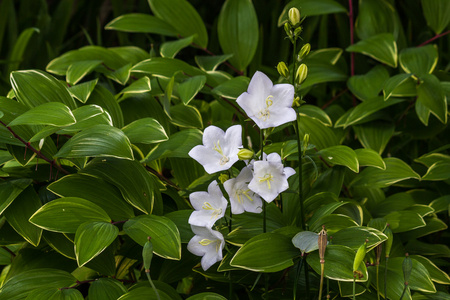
265,113
240,192
219,150
215,211
267,178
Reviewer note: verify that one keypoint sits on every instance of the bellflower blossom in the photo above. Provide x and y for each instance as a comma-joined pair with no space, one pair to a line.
207,243
219,149
209,206
269,177
267,104
241,197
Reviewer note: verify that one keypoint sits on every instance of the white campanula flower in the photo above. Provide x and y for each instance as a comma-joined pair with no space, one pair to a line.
219,150
209,206
269,177
207,243
241,197
267,104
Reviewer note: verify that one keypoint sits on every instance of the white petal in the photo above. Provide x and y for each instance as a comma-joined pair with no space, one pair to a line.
283,95
246,175
214,190
281,115
195,247
260,85
251,104
210,259
274,158
197,199
208,158
211,135
233,139
288,171
202,218
254,206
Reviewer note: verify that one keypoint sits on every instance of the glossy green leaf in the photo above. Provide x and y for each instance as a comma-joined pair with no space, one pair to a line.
375,17
210,63
99,140
306,241
78,70
320,135
369,157
311,8
325,209
431,94
189,88
129,176
206,295
91,238
400,221
320,72
20,45
391,84
232,88
50,113
338,263
106,289
141,85
60,243
183,17
381,47
9,190
423,112
369,85
238,32
438,171
333,223
87,116
66,214
83,90
436,274
441,204
186,116
340,155
171,49
437,14
433,225
178,145
19,286
122,74
267,252
316,113
145,131
95,190
144,293
19,212
355,236
396,170
165,67
419,60
24,84
141,23
374,135
162,231
53,293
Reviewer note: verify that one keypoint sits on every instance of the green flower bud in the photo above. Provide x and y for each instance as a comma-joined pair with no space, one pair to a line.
283,69
305,143
287,28
389,241
294,16
301,74
360,254
407,268
297,102
223,177
147,254
304,51
245,154
298,31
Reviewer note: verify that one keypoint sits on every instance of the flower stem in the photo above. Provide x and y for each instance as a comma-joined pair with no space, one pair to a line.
354,286
404,290
322,267
378,286
152,284
385,277
434,37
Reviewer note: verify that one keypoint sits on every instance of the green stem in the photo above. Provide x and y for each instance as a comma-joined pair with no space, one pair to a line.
151,283
378,286
404,290
385,277
297,275
354,286
322,267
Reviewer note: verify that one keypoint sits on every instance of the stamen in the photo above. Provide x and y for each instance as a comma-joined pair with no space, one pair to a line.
224,158
267,178
205,242
265,114
216,211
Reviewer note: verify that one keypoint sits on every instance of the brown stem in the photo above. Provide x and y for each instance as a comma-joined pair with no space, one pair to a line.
334,98
9,251
434,38
162,177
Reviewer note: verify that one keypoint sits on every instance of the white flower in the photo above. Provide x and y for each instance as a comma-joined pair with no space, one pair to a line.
241,197
269,177
207,243
267,104
219,149
209,206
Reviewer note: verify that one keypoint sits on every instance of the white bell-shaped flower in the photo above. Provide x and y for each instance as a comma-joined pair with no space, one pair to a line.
241,197
207,243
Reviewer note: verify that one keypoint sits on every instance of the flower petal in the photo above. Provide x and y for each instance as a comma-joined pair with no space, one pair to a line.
197,199
211,135
283,94
260,85
280,116
232,140
288,171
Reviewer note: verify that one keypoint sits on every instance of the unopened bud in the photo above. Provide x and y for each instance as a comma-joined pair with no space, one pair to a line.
304,51
305,143
283,69
301,74
407,267
323,241
245,154
147,254
389,241
298,31
223,177
294,16
287,28
360,254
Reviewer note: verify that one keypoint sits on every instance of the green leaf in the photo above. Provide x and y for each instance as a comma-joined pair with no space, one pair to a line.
381,47
338,263
314,112
333,223
19,286
121,75
60,243
95,190
144,293
99,140
21,44
342,156
19,212
171,49
87,116
141,85
130,177
92,238
180,218
355,236
374,135
267,252
306,241
438,171
437,14
320,135
186,116
25,83
391,84
206,295
9,190
433,225
400,221
183,17
178,145
431,94
369,85
165,67
66,214
53,293
162,231
79,69
237,29
419,60
210,63
51,113
233,88
369,157
190,87
83,90
309,8
436,274
396,170
145,131
320,72
141,23
106,289
441,204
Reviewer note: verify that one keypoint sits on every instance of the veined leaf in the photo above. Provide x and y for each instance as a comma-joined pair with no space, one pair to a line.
341,155
145,131
419,60
381,47
190,87
10,189
374,135
405,220
316,113
50,113
106,288
210,63
232,88
141,23
83,90
19,48
431,94
369,85
369,157
141,85
171,49
437,14
79,69
311,8
392,83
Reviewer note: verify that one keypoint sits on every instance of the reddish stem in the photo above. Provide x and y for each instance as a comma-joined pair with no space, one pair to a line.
434,38
334,98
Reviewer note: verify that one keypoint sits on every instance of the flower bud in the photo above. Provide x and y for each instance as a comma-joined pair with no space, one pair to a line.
147,254
304,51
305,143
389,241
298,31
223,177
360,254
294,16
287,28
283,69
323,241
301,74
296,102
245,154
407,267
